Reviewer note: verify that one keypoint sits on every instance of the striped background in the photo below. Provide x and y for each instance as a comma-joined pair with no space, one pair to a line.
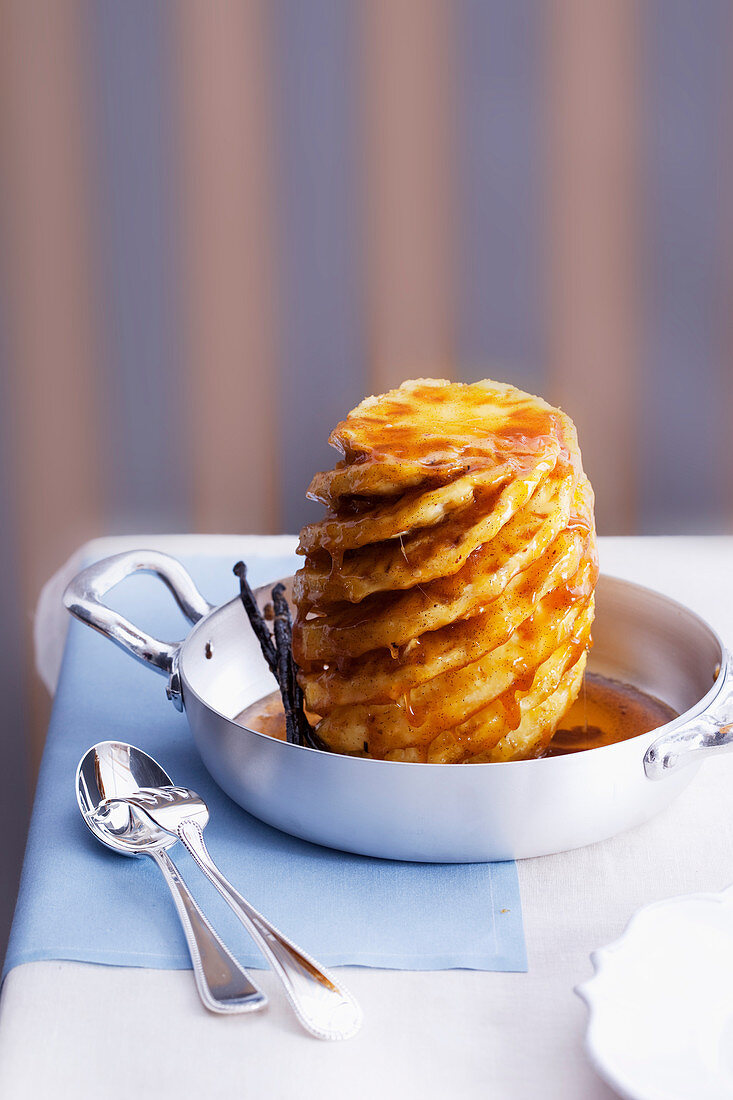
222,224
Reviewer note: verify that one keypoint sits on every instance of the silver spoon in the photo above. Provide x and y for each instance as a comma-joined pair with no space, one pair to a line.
324,1008
111,769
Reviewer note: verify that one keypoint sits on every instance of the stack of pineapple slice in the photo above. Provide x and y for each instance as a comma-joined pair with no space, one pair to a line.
445,605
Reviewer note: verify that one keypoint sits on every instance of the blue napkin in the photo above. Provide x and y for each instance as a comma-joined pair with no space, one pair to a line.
81,901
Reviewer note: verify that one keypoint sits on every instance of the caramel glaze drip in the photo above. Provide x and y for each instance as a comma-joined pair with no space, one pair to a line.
577,589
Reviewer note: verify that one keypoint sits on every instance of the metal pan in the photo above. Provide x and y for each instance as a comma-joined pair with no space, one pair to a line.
435,812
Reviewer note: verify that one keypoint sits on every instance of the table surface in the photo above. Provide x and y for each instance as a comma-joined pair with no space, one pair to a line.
456,1033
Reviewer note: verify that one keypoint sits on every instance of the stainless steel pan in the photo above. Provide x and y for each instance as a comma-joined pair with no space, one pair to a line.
435,812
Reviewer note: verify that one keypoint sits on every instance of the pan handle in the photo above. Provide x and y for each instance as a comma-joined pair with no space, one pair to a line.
84,597
710,732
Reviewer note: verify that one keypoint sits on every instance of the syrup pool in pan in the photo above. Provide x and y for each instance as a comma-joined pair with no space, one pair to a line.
606,711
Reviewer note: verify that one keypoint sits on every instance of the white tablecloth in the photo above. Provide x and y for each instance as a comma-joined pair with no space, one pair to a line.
72,1028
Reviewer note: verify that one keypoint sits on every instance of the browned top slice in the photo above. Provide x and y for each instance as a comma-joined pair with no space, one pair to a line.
429,431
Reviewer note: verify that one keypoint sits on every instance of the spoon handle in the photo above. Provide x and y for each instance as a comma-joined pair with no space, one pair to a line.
222,983
324,1008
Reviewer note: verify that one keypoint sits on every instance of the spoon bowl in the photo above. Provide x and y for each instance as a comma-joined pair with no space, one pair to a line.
114,770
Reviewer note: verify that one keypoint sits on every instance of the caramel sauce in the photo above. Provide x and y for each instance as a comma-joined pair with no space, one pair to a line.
265,716
605,712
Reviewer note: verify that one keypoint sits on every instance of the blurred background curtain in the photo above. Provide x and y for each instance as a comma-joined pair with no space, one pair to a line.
224,223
